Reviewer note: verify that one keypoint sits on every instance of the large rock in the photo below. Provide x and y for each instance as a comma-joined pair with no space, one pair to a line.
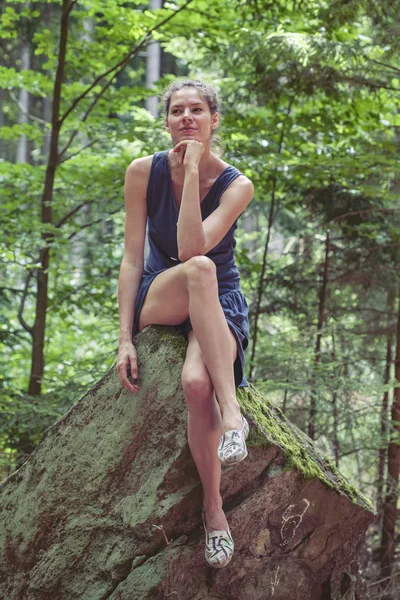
88,516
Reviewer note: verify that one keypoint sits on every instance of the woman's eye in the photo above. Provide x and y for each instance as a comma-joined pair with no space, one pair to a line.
176,110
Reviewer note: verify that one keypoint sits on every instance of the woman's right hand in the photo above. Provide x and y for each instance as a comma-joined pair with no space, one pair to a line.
127,366
190,152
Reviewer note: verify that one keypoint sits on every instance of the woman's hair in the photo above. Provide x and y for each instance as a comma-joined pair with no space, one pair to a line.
208,93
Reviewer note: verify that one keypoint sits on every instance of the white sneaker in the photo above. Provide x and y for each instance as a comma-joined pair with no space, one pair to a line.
232,446
219,546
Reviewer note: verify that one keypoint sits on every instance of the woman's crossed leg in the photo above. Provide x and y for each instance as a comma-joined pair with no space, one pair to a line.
204,431
191,289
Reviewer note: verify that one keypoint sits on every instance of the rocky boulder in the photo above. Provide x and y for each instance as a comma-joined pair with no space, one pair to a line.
108,506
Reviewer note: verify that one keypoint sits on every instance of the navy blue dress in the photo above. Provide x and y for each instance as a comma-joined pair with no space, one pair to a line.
162,217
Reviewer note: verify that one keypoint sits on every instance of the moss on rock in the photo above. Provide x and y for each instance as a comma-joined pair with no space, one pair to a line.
272,427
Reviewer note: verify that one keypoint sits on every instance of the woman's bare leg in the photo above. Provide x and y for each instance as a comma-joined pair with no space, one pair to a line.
191,289
204,431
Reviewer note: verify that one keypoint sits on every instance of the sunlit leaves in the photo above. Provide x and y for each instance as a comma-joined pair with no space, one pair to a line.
32,132
32,81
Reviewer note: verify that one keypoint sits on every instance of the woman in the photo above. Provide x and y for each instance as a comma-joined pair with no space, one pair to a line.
192,199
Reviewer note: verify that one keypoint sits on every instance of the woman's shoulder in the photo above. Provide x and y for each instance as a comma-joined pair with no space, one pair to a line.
222,165
237,181
239,178
142,165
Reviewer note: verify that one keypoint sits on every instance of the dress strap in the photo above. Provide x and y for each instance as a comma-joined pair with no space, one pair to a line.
157,185
229,175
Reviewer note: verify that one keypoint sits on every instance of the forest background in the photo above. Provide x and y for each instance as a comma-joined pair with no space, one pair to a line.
310,107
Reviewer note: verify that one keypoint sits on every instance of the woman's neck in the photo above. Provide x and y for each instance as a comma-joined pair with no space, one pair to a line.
207,164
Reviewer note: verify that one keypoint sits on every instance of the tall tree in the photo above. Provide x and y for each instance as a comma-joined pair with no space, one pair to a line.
388,543
382,454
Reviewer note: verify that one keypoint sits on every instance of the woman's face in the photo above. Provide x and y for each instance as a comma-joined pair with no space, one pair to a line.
189,117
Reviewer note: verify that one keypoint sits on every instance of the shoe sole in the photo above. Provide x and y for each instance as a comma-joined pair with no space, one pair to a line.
233,462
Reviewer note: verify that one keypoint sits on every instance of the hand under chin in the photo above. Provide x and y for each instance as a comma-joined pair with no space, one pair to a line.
173,158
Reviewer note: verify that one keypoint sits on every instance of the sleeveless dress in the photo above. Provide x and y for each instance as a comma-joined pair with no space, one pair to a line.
162,217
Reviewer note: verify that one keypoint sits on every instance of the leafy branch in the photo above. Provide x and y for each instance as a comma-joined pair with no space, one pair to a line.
114,71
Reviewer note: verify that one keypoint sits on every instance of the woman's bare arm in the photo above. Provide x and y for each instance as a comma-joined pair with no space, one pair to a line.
135,230
132,266
197,237
190,232
232,203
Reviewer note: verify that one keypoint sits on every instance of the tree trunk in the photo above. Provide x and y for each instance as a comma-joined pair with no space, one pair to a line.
3,152
46,116
317,355
261,282
39,326
384,426
261,279
153,63
22,146
335,412
85,518
285,395
390,507
48,12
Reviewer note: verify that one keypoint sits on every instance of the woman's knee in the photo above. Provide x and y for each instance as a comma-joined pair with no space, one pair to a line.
200,269
197,387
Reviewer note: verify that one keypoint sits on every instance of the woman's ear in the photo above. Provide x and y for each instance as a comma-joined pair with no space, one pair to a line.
166,124
215,121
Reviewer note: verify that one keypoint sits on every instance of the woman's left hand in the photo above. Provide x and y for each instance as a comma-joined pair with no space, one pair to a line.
190,152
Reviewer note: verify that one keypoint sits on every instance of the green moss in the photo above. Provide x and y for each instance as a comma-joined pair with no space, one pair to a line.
272,427
159,335
169,346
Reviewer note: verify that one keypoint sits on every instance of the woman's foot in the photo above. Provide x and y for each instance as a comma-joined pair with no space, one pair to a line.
231,417
215,519
232,447
219,543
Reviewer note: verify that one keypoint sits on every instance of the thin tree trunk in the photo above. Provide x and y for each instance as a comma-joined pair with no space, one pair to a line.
262,277
264,260
335,412
39,326
2,123
153,66
49,12
22,146
390,507
384,426
46,116
285,395
284,404
317,355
